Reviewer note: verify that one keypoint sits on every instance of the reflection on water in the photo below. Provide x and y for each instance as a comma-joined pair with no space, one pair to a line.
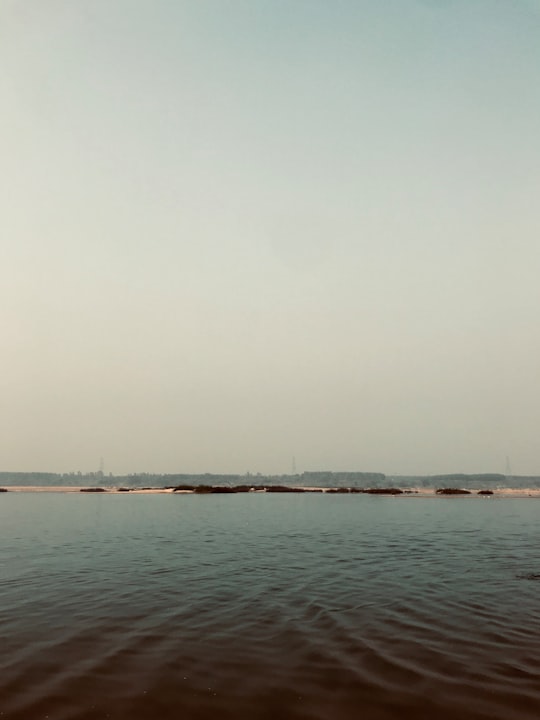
319,607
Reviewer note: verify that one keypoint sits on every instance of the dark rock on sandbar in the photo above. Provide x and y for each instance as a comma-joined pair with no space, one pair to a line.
123,489
485,492
92,490
383,491
452,491
3,490
283,489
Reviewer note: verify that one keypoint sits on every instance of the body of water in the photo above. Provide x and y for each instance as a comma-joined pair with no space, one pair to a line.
268,606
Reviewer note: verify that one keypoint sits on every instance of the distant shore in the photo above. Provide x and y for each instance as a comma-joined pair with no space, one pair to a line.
199,490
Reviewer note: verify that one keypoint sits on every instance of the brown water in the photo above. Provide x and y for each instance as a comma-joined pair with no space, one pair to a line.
321,607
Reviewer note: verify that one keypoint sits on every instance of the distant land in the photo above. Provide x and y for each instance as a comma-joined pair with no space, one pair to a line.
320,478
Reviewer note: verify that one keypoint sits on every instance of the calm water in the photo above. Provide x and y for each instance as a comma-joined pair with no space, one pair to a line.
322,607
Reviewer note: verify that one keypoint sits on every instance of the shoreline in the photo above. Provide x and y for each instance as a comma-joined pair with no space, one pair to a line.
411,492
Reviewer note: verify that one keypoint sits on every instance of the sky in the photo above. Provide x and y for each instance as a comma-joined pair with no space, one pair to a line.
238,232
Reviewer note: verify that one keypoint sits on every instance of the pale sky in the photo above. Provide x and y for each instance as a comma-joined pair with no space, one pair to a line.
237,231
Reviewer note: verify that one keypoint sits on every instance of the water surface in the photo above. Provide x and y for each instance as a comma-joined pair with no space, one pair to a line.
312,607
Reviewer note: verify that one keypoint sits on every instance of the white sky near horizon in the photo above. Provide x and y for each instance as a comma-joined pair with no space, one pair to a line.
237,231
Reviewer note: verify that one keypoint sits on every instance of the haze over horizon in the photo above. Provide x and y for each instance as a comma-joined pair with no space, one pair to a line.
234,233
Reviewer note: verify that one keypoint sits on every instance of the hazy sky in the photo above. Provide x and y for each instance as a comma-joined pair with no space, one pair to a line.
237,231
